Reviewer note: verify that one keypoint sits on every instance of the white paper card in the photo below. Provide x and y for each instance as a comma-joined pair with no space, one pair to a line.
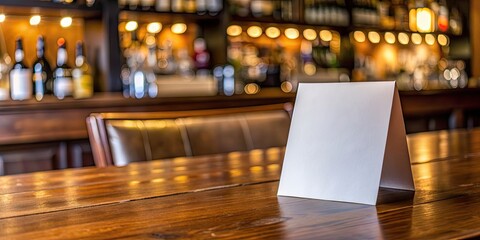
345,141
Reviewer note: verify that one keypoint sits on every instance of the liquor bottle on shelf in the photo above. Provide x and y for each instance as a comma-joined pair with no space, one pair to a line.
400,13
364,12
286,10
166,61
185,64
62,75
133,4
5,62
20,75
201,6
147,4
240,8
82,74
122,3
162,5
214,7
325,13
177,5
310,12
442,19
456,24
201,57
261,8
42,72
190,6
141,81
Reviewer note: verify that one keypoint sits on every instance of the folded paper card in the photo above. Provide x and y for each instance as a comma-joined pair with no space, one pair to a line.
346,140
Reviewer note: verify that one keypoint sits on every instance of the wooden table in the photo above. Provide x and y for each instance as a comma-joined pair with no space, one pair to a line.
234,196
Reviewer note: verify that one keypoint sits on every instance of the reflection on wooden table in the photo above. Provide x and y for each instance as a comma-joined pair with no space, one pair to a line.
234,196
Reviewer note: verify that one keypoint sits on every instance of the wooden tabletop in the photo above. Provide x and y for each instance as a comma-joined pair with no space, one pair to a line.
234,196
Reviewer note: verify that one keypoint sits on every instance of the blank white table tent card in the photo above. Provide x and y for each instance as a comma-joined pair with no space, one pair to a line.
346,140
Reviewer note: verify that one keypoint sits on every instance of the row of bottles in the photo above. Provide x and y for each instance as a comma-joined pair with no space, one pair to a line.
201,7
278,9
403,15
41,79
147,60
326,12
408,15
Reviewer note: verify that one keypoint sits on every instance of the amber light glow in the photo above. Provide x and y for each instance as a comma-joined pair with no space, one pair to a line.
309,34
234,30
424,20
442,40
374,37
254,31
66,22
35,20
326,35
272,32
403,38
154,27
390,38
2,17
430,39
359,36
416,38
131,26
292,33
179,28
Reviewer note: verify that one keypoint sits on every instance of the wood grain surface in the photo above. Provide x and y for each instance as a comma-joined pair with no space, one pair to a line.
233,196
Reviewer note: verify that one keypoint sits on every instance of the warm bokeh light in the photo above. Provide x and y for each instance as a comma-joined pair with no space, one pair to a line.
150,40
66,22
131,26
35,20
309,34
292,33
286,86
359,36
254,31
390,38
179,28
234,30
416,38
154,27
272,32
412,20
326,35
310,69
442,40
2,17
374,37
403,38
424,20
430,39
251,88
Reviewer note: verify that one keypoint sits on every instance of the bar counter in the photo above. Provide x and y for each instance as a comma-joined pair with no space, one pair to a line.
233,196
52,134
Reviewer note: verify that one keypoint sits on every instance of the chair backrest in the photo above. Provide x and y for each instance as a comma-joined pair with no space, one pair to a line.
121,138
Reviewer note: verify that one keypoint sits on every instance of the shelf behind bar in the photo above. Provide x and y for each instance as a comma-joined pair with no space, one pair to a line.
48,9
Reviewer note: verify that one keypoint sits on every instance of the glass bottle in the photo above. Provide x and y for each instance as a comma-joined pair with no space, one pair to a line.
62,75
82,74
5,62
20,75
42,72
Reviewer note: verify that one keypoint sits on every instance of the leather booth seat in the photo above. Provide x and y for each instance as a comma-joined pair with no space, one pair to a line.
121,138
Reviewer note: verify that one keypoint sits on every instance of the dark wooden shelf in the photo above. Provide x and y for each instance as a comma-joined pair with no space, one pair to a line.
170,17
50,9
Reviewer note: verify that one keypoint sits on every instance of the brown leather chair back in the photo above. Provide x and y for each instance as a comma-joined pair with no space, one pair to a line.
121,138
140,140
215,134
